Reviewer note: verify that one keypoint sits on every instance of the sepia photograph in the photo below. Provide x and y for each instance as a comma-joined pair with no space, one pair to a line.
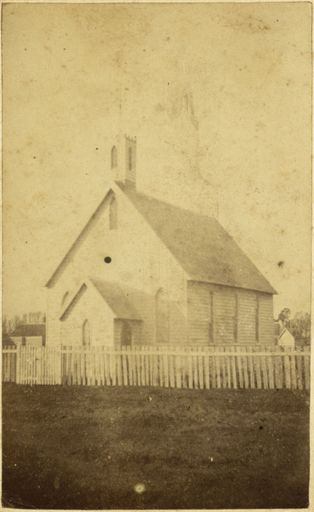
156,277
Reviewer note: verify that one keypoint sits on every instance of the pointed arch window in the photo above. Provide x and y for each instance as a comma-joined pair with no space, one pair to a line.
236,318
113,214
257,318
211,318
162,316
114,157
86,334
130,159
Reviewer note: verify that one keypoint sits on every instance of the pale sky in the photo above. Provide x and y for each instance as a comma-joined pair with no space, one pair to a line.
66,68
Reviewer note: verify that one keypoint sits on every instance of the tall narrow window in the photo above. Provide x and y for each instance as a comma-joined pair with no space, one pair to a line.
162,316
86,334
257,318
211,318
113,214
114,157
236,316
130,159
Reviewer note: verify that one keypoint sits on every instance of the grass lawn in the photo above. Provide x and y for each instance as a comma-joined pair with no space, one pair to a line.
89,447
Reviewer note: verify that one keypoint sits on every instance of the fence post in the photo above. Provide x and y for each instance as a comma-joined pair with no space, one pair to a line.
18,365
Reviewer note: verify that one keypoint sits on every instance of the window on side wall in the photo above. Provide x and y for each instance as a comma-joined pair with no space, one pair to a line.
257,318
162,305
211,334
86,333
235,318
130,159
113,214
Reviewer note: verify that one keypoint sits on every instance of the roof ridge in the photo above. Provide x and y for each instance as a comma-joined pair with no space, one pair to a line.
126,189
241,269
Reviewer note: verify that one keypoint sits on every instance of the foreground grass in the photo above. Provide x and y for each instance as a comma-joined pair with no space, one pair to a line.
85,447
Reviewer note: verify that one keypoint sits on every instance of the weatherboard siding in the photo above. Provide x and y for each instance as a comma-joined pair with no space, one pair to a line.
221,315
199,313
266,316
225,316
247,317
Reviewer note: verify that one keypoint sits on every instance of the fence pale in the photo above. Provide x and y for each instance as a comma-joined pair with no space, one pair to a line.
164,366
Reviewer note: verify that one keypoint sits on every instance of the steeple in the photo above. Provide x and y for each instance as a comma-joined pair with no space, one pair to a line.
123,160
179,153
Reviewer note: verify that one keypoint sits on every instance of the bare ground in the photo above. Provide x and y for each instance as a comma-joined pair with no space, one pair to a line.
89,447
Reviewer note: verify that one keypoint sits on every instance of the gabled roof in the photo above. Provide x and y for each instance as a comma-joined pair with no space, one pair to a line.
29,330
200,244
285,332
80,238
111,293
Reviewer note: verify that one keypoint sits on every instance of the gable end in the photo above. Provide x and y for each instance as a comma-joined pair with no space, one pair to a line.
76,244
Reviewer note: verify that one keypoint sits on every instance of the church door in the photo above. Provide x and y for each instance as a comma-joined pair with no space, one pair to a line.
126,334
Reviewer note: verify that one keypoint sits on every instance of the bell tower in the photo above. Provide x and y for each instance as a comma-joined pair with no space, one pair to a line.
123,160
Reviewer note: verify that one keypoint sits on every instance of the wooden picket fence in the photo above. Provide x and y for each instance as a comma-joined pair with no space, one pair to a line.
236,367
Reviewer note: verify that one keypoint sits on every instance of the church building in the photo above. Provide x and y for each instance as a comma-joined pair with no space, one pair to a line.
143,271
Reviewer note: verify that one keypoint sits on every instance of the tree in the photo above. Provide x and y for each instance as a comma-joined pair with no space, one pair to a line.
284,317
5,326
300,327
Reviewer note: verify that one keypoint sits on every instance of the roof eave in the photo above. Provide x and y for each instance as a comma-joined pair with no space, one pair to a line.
270,291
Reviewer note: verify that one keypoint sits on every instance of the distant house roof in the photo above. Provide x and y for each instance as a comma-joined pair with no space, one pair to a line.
29,330
111,293
200,244
285,333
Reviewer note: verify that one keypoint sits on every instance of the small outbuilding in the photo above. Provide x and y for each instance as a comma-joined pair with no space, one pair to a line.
29,334
286,339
